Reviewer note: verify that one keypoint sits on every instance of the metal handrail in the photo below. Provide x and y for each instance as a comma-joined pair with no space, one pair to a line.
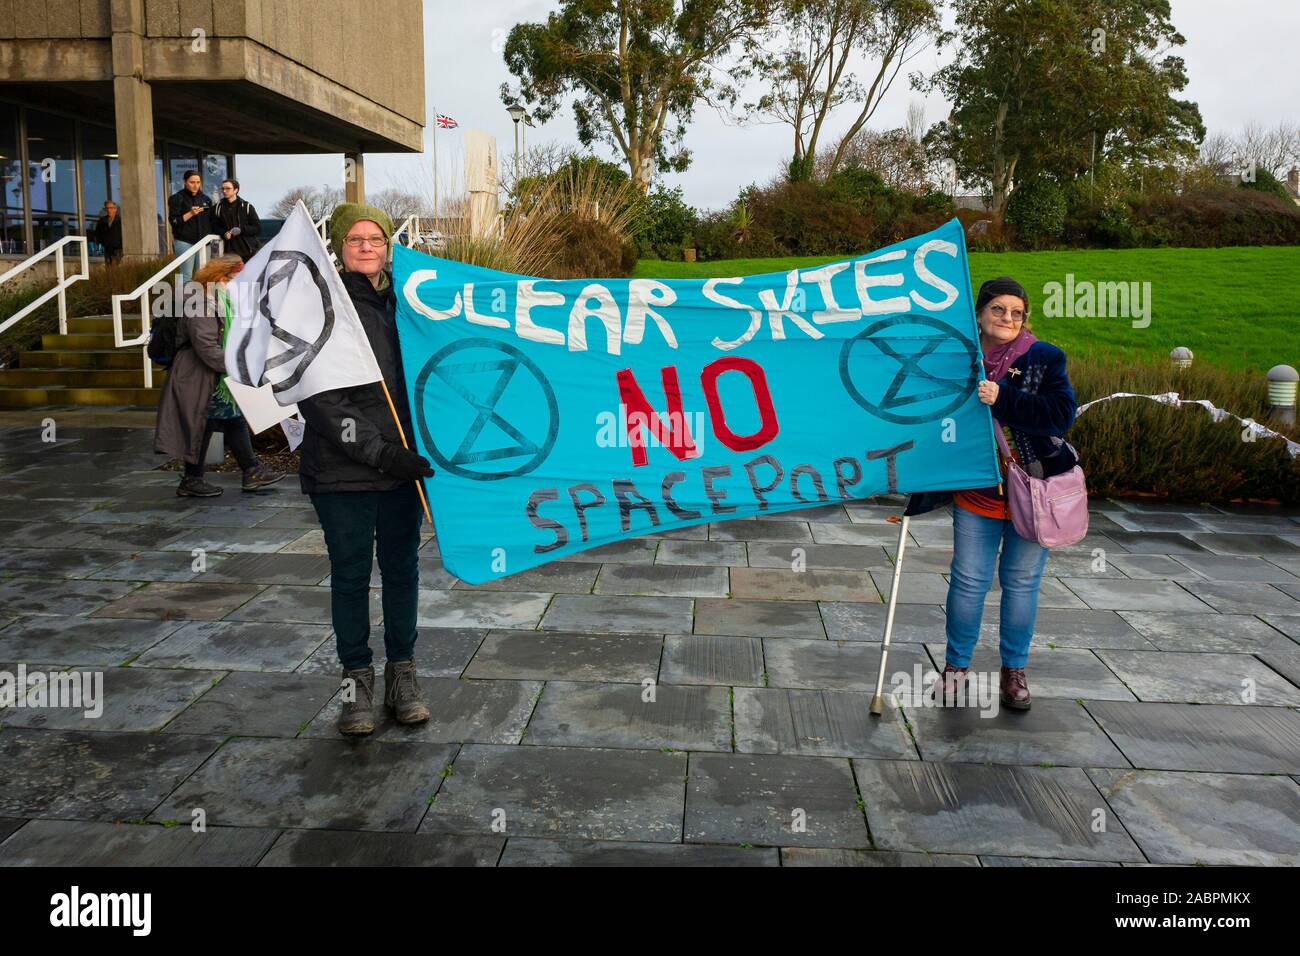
323,227
411,228
199,250
60,287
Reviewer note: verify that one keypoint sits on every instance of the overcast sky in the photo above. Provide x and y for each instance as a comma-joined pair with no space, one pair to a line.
1241,62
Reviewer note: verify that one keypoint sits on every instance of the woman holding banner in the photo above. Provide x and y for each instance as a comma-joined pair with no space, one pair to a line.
1032,401
362,483
195,401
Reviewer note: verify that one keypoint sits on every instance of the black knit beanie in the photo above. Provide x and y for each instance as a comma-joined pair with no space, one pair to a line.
1002,285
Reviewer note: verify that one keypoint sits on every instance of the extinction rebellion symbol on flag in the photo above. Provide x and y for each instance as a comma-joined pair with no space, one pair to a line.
909,371
472,380
299,350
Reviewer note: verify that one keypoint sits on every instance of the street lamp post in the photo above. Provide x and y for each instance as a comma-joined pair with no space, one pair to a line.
517,113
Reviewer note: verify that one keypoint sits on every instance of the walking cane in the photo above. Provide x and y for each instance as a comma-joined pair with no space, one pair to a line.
878,702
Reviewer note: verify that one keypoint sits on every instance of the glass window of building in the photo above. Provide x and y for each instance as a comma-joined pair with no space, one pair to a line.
51,177
160,183
13,221
180,160
99,177
216,167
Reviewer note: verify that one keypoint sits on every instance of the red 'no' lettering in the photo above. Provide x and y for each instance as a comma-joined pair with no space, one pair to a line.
768,426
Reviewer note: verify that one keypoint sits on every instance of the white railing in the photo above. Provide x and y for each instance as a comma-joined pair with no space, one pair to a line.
323,227
411,235
60,287
199,251
409,231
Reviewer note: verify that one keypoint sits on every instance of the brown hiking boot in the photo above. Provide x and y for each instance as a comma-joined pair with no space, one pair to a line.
402,693
1015,689
259,477
946,687
358,716
196,488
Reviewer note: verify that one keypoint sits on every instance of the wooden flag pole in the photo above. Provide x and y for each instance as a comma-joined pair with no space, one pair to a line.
419,482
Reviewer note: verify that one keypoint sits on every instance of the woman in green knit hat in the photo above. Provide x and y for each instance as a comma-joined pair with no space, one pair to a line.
361,479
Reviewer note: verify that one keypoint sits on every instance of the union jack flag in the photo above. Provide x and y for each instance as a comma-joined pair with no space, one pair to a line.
446,122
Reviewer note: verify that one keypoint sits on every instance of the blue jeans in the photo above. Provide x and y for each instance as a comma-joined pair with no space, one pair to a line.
180,247
974,554
357,524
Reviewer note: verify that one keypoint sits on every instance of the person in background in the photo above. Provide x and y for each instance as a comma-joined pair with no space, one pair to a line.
1030,396
361,479
196,401
108,232
190,213
235,221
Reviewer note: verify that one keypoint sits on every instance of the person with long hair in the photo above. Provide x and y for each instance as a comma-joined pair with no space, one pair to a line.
195,401
189,210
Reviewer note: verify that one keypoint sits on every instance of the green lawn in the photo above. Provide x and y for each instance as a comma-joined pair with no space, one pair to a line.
1238,307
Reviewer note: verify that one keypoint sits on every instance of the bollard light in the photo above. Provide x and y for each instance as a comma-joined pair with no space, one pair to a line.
1282,381
1181,357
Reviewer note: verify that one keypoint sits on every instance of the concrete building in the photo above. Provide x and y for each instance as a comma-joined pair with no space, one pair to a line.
115,99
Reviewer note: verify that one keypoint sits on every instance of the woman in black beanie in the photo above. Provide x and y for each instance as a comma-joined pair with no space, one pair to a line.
1032,401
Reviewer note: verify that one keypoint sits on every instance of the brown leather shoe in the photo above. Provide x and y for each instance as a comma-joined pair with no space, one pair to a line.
1015,689
947,685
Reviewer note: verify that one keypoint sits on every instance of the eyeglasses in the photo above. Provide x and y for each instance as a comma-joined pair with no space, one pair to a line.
1000,312
356,242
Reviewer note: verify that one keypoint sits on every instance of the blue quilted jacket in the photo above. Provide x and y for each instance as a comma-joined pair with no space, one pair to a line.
1036,400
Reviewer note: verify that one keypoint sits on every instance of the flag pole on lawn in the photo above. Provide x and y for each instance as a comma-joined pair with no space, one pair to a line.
878,701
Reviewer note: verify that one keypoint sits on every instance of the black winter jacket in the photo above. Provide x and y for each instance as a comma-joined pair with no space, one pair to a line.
109,236
328,463
194,229
1036,400
240,215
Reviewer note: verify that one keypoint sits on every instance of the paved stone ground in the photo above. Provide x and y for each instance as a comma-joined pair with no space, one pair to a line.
1165,727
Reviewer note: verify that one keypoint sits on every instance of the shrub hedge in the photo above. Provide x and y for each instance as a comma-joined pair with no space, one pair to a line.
1137,446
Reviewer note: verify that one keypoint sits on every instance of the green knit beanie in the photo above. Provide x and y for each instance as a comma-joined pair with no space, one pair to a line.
348,214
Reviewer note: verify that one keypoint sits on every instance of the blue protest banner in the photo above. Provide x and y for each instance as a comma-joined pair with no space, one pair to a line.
563,415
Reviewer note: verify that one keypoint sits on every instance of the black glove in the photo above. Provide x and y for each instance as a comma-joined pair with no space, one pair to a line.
403,463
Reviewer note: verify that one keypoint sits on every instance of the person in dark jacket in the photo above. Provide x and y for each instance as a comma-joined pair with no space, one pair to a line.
108,232
190,213
195,400
235,221
361,480
1030,396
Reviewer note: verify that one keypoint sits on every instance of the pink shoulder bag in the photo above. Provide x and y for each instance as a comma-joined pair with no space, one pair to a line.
1052,511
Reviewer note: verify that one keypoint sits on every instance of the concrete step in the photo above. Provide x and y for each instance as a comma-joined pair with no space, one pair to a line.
83,377
84,358
78,340
103,324
21,397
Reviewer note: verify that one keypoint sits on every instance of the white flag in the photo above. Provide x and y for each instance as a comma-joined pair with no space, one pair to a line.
295,327
293,430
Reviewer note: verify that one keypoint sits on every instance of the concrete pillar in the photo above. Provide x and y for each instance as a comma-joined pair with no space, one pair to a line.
133,109
354,177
